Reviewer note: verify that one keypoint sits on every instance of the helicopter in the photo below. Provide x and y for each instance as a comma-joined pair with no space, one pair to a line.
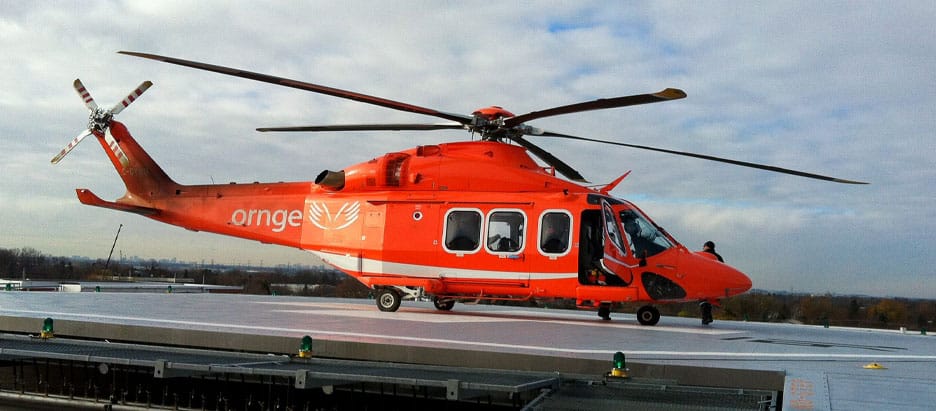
422,223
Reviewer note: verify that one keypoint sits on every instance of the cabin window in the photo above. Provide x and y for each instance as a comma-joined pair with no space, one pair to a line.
505,231
555,232
463,230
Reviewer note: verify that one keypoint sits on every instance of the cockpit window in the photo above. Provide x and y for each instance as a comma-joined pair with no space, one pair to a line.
645,239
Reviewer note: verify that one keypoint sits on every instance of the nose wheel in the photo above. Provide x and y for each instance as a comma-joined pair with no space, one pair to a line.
648,315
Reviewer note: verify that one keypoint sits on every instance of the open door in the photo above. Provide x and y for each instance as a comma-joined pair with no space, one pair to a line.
616,263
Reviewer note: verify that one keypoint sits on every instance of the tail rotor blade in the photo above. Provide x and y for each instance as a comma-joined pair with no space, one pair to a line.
99,119
85,95
135,94
70,146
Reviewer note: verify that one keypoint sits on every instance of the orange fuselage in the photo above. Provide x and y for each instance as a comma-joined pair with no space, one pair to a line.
392,221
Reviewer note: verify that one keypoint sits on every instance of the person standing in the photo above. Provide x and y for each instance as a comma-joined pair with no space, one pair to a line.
704,306
709,247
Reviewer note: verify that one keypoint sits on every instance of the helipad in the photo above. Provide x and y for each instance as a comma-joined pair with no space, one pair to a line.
815,367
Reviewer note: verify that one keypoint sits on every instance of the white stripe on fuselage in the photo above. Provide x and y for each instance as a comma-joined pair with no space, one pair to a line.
352,263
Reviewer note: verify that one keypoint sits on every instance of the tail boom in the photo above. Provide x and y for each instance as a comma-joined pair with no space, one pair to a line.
269,212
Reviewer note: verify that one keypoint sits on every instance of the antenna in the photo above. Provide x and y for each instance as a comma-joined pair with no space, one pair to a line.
112,247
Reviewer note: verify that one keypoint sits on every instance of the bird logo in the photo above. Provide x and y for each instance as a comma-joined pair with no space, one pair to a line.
322,217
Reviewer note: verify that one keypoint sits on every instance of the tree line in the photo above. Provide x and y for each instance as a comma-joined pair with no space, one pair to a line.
31,264
826,310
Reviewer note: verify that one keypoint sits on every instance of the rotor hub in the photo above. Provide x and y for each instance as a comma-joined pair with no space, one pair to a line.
489,122
99,120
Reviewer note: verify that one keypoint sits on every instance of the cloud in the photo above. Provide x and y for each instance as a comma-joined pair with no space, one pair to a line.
846,91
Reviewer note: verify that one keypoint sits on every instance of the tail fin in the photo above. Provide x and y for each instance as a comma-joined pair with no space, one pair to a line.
146,182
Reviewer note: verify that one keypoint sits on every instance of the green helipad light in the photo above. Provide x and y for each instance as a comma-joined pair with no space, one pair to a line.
620,367
619,360
305,347
47,328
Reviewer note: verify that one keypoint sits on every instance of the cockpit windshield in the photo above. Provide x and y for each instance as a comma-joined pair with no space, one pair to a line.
645,238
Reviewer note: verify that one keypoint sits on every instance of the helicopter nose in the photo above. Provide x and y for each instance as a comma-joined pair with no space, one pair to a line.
734,281
721,280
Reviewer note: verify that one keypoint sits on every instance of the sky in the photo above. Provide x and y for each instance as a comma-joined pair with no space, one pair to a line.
837,88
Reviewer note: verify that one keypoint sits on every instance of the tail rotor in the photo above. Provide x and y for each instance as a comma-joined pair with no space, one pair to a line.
99,119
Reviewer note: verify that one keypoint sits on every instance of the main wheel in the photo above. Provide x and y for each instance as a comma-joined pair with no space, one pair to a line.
443,305
648,315
388,299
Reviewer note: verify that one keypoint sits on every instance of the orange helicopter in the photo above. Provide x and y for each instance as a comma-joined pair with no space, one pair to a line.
422,223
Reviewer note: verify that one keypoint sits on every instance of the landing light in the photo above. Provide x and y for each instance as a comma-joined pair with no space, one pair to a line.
47,329
305,347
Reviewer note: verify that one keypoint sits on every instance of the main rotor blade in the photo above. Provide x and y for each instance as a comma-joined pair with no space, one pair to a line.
301,85
711,158
602,103
552,160
369,127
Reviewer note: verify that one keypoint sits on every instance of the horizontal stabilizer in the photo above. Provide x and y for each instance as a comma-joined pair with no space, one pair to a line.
88,198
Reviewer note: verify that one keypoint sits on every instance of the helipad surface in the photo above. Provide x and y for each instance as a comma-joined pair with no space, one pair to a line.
824,367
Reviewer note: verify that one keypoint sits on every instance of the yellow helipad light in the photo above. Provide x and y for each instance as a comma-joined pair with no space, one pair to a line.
874,366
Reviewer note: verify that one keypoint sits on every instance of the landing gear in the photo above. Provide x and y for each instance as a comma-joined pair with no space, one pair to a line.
604,311
388,299
648,315
706,308
443,305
